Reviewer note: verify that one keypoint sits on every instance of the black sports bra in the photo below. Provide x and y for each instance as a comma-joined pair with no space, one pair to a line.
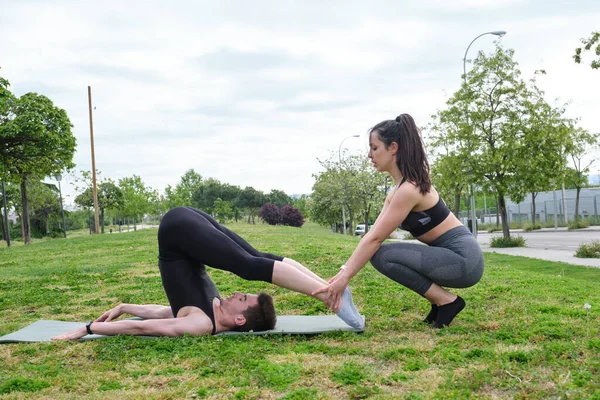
420,222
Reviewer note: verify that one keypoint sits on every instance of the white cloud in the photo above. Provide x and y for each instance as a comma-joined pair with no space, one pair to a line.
252,93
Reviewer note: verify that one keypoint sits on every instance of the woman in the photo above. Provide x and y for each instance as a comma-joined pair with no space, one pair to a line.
452,258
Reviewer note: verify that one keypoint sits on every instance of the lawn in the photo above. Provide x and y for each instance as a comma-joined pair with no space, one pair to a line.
524,334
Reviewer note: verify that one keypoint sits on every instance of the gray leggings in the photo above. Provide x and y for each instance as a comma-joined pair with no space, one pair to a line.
452,260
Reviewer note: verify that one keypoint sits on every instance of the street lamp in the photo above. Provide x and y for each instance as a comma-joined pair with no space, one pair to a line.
473,213
58,179
340,158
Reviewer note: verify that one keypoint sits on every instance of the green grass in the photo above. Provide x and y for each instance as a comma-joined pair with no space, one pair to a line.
524,334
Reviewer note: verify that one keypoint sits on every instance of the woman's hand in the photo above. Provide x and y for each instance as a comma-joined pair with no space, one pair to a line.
73,335
333,292
111,314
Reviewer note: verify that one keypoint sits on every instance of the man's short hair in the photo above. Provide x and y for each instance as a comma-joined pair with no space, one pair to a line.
260,317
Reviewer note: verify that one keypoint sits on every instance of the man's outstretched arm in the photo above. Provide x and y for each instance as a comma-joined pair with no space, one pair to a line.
193,324
146,311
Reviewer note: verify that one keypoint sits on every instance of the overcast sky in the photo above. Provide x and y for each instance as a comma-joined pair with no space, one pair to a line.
253,92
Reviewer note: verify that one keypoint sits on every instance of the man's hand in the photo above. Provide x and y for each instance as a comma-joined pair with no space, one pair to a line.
111,314
73,335
333,292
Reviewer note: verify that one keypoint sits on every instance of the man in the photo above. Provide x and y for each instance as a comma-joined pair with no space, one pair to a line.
189,239
239,312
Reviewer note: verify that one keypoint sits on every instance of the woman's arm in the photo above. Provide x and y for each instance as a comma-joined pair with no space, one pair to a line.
403,200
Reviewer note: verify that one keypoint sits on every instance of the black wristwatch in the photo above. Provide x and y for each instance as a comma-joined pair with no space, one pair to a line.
88,327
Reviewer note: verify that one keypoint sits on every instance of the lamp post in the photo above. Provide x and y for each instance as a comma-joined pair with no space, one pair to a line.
473,213
62,211
343,205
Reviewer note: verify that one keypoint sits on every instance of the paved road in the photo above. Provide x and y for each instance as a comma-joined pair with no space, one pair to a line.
551,239
548,244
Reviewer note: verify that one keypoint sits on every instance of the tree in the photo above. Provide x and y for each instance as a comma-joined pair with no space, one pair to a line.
183,194
110,195
270,213
138,199
44,201
593,40
211,190
290,216
491,124
544,136
352,182
251,199
583,144
223,209
36,140
279,198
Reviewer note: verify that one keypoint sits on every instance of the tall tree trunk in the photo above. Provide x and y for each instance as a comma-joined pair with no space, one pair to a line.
4,237
497,211
577,204
368,208
533,194
456,203
350,219
47,224
25,219
502,206
249,214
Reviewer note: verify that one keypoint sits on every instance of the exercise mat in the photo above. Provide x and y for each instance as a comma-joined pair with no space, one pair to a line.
44,330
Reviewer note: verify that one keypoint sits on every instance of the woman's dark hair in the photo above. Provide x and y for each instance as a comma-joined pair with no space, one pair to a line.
410,158
260,317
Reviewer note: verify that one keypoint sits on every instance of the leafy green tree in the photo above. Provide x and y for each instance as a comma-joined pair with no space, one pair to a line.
279,198
211,190
251,199
223,210
543,137
138,199
303,204
183,193
326,207
588,45
583,145
493,124
36,140
44,202
110,196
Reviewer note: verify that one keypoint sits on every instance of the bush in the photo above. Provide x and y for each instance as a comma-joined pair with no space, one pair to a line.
589,250
408,236
530,227
501,241
270,213
579,224
291,216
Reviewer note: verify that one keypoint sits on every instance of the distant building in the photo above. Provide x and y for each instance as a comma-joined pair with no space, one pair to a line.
594,179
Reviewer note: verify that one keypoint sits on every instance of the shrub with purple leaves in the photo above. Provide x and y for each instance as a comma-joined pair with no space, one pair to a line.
270,213
291,216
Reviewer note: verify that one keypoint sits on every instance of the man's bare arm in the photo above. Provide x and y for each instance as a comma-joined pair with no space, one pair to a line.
146,311
193,324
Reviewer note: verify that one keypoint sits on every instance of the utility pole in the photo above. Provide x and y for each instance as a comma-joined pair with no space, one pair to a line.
94,187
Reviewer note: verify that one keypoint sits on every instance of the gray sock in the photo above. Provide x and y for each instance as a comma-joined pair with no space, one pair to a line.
348,313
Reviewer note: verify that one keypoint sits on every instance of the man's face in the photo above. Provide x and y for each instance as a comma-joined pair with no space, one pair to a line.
238,302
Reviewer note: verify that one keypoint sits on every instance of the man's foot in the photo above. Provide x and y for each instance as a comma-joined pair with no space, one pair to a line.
447,312
348,312
432,316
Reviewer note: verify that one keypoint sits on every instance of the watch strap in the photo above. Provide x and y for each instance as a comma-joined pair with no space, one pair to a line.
88,327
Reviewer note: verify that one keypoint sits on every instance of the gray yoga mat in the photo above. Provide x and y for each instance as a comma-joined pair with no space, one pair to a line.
44,330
